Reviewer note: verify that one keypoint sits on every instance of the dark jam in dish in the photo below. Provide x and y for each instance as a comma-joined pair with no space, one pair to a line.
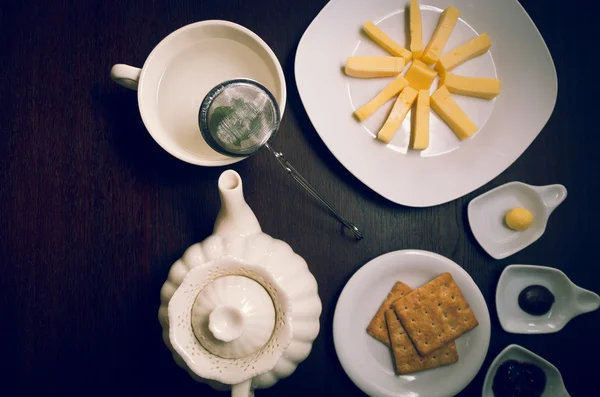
536,300
517,379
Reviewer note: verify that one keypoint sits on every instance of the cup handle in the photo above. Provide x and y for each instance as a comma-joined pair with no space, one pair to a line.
242,389
125,75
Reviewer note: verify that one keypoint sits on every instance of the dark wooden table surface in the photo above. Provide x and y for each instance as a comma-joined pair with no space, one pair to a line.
94,212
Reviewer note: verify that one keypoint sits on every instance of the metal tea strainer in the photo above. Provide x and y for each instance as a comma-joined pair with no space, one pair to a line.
238,117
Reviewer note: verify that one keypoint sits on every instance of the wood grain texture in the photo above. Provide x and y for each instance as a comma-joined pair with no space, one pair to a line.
94,212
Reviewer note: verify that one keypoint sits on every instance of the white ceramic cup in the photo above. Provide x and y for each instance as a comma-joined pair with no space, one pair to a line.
181,70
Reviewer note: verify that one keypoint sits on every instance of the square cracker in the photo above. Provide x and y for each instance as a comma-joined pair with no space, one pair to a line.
435,314
377,328
406,356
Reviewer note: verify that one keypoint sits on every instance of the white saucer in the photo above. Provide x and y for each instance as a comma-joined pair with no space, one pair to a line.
368,362
571,300
486,215
554,382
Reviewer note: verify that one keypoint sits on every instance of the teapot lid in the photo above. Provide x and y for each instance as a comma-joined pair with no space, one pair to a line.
230,320
233,316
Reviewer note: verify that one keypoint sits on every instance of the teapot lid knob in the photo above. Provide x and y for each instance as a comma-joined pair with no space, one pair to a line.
233,316
226,323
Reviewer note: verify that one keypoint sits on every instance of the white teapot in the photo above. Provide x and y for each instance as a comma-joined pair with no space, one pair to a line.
239,310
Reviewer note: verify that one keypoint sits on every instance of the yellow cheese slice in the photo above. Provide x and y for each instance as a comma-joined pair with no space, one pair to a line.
480,87
416,29
386,42
420,76
420,130
367,67
471,49
440,37
443,104
390,91
397,115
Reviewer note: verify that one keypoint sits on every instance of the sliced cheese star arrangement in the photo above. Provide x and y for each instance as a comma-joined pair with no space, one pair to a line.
425,65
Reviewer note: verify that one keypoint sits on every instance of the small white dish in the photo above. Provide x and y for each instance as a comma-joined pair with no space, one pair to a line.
555,386
369,363
486,215
445,171
183,68
570,300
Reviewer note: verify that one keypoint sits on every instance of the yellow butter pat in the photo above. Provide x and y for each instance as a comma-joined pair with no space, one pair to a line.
440,37
519,219
416,29
471,49
397,115
420,130
420,76
390,90
368,67
480,87
443,104
386,42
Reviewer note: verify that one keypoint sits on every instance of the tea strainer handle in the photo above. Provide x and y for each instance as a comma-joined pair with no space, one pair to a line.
304,183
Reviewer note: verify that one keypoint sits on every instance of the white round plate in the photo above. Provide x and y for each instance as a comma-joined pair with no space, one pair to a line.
369,363
449,168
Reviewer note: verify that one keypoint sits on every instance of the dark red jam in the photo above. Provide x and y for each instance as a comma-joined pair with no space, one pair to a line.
517,379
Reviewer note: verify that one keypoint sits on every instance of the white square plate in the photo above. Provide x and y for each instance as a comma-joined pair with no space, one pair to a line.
448,169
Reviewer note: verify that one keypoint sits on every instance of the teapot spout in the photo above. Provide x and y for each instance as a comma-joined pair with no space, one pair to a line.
235,217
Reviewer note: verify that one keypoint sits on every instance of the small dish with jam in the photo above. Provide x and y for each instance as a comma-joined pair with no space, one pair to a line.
538,299
518,372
